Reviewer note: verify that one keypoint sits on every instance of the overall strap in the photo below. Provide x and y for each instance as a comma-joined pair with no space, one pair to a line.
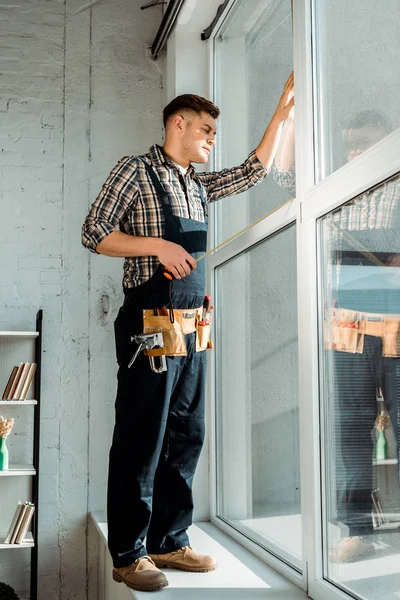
203,198
162,193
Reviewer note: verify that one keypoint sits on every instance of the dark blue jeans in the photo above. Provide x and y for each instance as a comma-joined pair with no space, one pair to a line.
158,436
356,379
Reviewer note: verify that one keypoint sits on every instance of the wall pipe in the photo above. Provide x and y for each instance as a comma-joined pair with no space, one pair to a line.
170,16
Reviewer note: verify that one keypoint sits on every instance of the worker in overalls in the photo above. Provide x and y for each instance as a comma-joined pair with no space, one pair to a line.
160,205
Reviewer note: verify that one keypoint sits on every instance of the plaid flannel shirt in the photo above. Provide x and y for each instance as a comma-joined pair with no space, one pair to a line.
129,201
373,218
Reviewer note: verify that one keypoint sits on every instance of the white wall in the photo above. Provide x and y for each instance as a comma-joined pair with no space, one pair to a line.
79,91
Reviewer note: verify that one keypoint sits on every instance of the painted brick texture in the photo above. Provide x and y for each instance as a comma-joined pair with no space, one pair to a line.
78,91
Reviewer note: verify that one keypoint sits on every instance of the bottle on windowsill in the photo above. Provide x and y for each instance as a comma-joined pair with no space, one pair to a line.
381,446
382,422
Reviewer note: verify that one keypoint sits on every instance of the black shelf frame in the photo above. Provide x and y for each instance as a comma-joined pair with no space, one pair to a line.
36,459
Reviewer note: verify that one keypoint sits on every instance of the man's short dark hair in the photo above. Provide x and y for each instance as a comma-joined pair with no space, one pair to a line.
197,104
373,118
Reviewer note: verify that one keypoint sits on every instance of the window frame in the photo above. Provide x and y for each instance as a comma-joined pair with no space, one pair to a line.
314,199
278,220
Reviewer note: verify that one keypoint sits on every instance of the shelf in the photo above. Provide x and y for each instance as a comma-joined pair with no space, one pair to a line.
12,344
18,471
387,526
18,402
386,461
19,334
28,544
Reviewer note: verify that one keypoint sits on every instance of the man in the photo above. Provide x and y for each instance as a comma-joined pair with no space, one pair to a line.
372,222
160,204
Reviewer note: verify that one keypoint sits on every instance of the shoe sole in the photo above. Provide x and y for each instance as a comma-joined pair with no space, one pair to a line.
163,565
139,588
352,559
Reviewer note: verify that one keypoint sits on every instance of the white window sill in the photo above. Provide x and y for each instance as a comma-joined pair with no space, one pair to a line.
240,575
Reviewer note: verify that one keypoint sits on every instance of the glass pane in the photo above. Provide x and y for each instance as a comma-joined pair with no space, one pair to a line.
257,396
360,295
357,55
253,61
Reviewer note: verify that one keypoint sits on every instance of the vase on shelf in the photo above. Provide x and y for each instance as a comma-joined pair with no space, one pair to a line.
5,428
381,446
3,454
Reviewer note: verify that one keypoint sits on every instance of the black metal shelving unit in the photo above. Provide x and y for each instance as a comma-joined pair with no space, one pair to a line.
33,595
36,457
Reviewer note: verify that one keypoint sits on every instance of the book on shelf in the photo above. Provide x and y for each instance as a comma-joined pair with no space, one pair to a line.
28,381
13,523
26,521
9,383
15,382
19,382
20,523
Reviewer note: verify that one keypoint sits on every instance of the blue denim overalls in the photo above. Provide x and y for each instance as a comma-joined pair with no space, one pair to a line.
159,426
357,377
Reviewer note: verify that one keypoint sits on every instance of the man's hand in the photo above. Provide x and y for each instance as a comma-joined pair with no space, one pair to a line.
268,146
286,101
176,259
393,261
172,256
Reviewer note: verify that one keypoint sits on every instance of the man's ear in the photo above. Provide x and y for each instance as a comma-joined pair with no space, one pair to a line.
179,123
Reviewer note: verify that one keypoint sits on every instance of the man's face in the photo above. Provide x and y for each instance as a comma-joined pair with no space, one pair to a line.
356,141
198,137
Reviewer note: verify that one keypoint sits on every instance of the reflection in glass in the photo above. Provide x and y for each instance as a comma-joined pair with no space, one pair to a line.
257,396
360,296
359,133
357,46
254,58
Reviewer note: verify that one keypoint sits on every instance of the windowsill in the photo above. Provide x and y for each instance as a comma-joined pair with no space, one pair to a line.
240,575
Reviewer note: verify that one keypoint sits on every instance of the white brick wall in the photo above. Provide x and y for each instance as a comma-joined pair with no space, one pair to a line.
78,91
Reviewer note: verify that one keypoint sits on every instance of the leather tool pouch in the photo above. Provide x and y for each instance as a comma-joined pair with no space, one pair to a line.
345,332
391,339
173,336
174,333
203,337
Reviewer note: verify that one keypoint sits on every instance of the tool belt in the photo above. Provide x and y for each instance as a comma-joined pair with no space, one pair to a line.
185,321
344,330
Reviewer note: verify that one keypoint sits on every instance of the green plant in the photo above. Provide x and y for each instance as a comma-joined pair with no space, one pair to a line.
7,593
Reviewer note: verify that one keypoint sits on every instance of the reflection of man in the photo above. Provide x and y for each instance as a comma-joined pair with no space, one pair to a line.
371,222
363,131
359,133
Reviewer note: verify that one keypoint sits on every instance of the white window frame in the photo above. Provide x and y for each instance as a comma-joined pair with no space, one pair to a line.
312,202
280,219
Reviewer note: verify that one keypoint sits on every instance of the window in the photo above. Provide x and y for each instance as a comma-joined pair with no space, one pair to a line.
357,56
360,295
257,395
253,60
333,256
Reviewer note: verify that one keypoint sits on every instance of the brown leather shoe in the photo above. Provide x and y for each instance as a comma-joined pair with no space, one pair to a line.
185,560
142,575
351,549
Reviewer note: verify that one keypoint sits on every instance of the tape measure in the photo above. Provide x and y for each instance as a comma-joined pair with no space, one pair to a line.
170,276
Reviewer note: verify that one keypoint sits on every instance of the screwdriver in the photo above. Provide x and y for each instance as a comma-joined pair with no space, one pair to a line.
206,308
